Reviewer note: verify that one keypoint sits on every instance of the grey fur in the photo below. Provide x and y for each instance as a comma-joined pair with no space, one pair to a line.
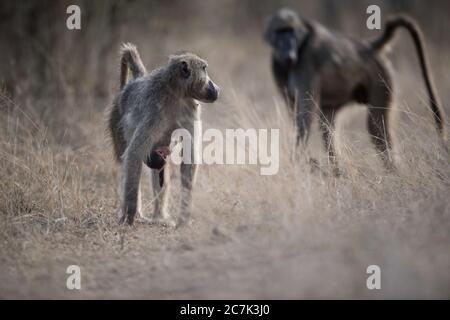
145,113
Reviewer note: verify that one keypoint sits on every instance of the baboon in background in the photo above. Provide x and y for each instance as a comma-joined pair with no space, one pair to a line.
315,66
144,114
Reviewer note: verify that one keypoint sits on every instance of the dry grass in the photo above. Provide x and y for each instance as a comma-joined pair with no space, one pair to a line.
298,234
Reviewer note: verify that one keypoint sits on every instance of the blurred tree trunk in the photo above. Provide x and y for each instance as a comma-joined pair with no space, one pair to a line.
109,26
29,41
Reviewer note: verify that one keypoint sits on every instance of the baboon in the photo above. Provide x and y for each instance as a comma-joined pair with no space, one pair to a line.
316,67
143,116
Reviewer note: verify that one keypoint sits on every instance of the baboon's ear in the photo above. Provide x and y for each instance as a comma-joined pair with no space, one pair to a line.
301,32
185,71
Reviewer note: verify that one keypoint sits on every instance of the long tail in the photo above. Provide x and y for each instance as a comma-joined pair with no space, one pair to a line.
130,60
409,24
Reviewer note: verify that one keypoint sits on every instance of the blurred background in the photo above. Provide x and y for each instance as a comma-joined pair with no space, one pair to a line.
45,62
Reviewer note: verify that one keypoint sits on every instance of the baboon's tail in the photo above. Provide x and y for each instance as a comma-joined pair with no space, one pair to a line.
131,60
409,24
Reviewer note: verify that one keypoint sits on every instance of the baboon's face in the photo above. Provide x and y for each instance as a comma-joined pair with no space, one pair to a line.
200,86
283,32
285,46
195,79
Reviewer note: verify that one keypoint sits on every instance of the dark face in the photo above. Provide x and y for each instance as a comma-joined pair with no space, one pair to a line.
285,46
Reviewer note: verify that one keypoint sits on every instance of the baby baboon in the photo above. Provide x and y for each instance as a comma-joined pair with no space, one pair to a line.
315,66
144,114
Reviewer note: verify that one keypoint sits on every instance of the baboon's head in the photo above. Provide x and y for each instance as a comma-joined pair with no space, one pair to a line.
192,77
285,32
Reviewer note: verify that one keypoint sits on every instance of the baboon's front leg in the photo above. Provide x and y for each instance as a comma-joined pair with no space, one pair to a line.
131,173
303,121
379,123
304,91
188,174
132,167
161,187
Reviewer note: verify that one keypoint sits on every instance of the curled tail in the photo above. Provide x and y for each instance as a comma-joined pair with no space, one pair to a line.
130,60
409,24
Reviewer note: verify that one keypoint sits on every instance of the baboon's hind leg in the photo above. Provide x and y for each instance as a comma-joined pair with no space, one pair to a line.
379,122
188,175
327,127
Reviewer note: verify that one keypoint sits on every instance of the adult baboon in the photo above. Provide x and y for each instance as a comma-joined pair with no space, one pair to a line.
314,66
144,114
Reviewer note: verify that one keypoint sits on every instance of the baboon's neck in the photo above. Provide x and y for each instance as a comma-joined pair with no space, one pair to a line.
170,84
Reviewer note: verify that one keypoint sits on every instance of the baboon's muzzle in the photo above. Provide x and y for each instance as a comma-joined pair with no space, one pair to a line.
289,59
212,92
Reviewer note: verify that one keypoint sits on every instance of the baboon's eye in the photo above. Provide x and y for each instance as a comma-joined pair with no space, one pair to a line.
285,30
204,68
185,72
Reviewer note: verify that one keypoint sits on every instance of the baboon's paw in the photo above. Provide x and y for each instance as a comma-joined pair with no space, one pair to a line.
219,234
316,167
142,219
126,220
339,173
184,222
159,221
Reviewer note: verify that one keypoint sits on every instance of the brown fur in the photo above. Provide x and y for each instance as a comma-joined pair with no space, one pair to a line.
318,69
406,22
